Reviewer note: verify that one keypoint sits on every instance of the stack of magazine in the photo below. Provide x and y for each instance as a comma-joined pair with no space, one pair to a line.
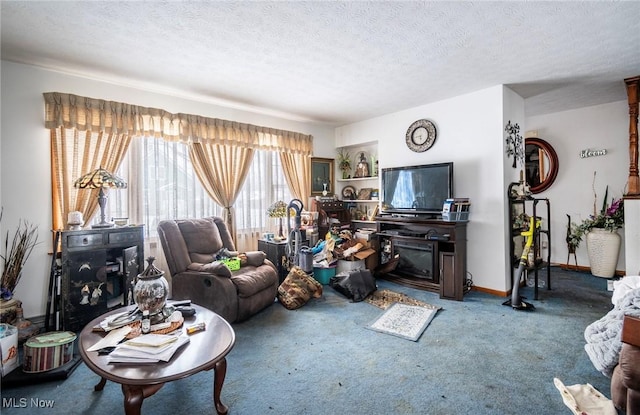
148,348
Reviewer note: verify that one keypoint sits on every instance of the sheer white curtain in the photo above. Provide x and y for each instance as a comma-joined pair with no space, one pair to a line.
163,185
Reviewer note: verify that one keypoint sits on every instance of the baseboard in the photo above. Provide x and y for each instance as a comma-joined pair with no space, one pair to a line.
570,267
497,293
37,321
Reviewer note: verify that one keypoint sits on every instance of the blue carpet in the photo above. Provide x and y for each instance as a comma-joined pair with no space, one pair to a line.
477,356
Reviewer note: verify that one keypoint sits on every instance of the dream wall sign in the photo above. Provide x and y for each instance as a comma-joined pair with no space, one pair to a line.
592,153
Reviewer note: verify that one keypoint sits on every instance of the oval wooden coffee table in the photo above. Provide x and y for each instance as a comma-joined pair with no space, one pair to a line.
206,350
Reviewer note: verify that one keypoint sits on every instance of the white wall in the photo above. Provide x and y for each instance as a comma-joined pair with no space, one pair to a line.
597,127
513,111
471,134
25,164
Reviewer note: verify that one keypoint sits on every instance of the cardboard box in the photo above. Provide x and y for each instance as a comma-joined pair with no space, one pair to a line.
364,258
8,348
364,253
366,244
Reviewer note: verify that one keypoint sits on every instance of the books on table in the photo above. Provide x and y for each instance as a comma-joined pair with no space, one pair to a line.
148,348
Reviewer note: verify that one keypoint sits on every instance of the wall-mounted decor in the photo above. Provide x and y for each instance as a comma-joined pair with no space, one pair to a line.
421,135
540,164
592,153
321,176
514,143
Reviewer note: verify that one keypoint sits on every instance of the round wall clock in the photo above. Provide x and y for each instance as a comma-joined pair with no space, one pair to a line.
421,135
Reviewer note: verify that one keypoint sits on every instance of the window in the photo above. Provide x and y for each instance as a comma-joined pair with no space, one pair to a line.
163,185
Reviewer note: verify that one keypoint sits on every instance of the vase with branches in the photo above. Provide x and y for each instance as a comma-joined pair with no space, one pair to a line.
15,256
610,217
600,230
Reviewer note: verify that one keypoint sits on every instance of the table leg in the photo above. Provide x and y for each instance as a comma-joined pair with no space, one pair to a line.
135,394
100,385
220,371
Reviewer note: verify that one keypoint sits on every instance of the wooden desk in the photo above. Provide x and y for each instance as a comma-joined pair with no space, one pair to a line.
205,351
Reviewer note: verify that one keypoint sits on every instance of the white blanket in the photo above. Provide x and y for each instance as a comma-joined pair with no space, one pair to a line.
622,286
603,336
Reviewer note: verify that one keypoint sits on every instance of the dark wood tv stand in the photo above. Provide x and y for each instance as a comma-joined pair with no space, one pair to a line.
441,246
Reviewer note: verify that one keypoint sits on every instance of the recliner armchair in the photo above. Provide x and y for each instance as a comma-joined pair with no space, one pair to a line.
191,247
625,382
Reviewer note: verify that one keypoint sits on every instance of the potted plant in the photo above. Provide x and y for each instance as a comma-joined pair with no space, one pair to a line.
344,162
603,241
13,261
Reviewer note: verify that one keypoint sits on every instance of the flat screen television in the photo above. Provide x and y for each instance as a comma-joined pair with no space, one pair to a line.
416,189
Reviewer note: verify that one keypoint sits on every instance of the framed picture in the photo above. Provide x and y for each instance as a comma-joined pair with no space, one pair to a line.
321,176
364,193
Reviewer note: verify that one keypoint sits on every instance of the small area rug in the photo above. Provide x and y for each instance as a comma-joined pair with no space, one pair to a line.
405,321
385,298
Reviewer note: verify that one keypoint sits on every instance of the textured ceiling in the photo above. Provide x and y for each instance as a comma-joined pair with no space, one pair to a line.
332,61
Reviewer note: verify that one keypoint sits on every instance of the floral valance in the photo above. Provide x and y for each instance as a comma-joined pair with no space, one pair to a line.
90,114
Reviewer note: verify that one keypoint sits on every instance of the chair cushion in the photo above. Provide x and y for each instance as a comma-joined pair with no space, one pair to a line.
629,367
202,238
250,280
254,258
218,268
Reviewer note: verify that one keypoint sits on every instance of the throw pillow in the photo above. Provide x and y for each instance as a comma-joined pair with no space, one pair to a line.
298,288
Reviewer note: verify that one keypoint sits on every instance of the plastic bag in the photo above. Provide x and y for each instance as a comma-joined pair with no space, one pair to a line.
356,285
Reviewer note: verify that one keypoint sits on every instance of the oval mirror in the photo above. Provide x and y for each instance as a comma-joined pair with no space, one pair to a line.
541,164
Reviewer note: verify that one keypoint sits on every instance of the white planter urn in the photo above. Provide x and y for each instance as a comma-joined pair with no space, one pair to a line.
603,248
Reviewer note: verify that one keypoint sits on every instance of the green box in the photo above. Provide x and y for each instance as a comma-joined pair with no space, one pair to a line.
232,263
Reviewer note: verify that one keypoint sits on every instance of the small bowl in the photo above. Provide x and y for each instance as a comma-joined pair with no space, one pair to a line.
121,221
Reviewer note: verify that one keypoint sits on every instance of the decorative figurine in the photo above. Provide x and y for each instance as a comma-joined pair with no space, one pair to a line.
85,292
362,169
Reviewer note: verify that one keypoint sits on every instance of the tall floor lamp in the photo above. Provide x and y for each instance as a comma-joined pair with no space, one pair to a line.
100,179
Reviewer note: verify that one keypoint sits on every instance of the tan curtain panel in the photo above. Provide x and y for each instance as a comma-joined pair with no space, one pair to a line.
222,170
297,172
73,154
89,114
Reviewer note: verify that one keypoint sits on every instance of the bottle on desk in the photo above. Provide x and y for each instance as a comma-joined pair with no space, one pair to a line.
146,322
